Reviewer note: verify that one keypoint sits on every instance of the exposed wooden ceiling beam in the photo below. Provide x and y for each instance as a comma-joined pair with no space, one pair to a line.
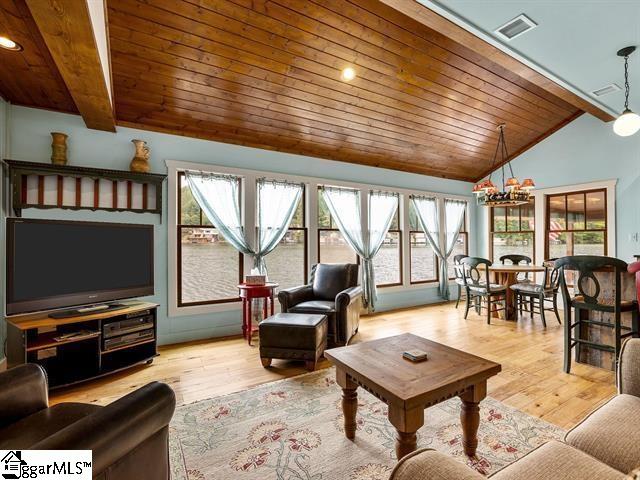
66,28
440,24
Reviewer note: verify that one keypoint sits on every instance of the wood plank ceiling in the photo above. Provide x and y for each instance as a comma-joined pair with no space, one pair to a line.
266,73
30,77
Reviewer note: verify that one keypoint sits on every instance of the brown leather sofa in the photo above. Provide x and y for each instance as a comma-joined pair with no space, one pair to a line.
332,291
604,446
129,437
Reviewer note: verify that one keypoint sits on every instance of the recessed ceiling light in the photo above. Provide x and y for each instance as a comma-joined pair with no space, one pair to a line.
515,27
9,44
348,74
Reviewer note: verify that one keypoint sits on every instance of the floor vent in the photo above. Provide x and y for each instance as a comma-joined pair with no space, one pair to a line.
516,27
606,90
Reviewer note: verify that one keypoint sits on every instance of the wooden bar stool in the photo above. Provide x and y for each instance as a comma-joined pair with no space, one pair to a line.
589,300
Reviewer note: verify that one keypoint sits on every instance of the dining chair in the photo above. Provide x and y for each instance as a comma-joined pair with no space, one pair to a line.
531,297
589,300
459,279
517,259
480,290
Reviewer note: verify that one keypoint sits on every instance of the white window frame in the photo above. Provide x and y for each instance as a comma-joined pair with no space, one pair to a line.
248,202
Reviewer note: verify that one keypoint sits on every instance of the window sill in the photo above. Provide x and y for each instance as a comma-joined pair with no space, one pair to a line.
175,311
411,287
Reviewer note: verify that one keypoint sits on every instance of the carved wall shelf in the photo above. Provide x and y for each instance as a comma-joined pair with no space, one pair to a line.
43,185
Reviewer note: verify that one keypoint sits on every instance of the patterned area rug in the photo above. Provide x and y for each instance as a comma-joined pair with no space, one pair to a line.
292,430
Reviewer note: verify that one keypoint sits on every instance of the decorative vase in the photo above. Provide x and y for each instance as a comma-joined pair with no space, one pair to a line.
59,148
140,162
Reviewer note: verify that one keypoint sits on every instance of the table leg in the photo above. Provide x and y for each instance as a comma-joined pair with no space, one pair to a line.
510,312
496,278
470,416
508,279
407,424
272,305
249,320
265,301
406,443
349,403
244,318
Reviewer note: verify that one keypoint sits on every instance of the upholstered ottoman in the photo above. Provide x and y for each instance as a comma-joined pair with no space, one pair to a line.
293,336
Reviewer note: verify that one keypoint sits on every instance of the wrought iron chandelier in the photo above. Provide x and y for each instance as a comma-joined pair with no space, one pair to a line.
513,192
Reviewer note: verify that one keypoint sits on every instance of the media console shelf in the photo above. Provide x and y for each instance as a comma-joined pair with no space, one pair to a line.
108,341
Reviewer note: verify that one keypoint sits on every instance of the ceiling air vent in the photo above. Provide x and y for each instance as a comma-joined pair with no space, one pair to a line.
516,27
606,90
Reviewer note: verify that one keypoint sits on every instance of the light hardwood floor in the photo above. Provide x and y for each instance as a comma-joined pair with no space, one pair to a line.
531,356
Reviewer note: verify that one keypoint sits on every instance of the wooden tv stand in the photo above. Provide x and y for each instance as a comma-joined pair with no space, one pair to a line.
111,341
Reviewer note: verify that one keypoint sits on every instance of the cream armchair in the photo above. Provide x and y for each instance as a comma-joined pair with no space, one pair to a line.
604,446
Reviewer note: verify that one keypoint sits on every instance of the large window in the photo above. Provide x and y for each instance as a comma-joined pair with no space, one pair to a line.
204,269
332,247
512,231
287,264
209,268
388,261
423,264
576,224
461,247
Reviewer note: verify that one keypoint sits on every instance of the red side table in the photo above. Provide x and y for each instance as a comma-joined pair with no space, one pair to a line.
247,294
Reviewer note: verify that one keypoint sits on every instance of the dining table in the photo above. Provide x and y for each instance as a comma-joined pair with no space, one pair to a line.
507,275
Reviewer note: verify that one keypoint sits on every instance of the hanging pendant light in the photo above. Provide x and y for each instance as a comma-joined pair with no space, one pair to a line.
628,122
513,192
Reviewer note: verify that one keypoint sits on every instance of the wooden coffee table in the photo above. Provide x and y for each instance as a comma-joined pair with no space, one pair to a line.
408,388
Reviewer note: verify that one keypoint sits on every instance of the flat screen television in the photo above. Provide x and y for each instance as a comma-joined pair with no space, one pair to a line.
58,264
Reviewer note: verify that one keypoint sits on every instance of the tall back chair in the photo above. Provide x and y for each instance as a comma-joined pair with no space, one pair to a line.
480,290
515,259
551,279
459,277
532,297
589,298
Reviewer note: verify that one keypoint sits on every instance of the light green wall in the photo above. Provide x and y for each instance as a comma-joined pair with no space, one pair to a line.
30,140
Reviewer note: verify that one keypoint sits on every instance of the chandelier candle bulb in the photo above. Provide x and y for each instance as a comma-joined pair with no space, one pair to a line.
513,183
527,184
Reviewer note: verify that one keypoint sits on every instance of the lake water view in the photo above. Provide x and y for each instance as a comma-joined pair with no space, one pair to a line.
210,270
